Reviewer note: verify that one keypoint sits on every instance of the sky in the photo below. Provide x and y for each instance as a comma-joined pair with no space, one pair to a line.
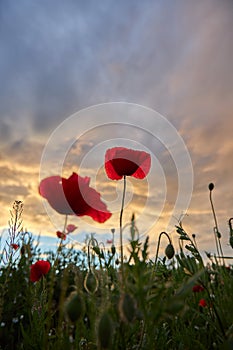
80,77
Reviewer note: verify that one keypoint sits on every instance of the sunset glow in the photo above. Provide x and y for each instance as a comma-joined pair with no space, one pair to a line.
174,58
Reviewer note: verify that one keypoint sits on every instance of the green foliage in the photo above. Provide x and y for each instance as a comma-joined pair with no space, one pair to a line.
86,301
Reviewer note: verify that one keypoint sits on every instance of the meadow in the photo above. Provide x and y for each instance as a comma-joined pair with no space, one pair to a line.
101,298
87,300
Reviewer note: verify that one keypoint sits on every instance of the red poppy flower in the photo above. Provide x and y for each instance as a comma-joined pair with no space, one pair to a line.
74,196
39,269
197,288
120,161
202,303
14,246
71,228
109,241
61,235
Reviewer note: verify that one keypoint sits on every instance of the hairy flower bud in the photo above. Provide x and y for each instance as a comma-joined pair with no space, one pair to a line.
211,186
73,307
105,331
169,251
127,308
91,283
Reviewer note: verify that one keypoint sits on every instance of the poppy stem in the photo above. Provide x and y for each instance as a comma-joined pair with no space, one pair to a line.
215,220
121,230
65,224
157,252
216,230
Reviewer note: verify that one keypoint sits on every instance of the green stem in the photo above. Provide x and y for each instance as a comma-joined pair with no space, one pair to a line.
142,332
121,230
215,220
217,239
65,224
157,252
215,311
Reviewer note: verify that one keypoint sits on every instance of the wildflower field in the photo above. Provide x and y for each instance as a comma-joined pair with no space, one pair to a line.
108,298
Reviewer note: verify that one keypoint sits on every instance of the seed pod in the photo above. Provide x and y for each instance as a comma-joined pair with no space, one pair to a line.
74,307
91,283
211,186
169,251
127,308
105,331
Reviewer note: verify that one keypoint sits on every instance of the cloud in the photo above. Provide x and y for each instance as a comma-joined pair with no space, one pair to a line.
64,58
24,151
174,57
52,58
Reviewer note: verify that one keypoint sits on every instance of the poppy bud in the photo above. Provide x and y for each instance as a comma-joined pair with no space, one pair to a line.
127,308
169,251
211,186
105,331
91,282
231,241
22,250
113,249
218,234
96,250
74,307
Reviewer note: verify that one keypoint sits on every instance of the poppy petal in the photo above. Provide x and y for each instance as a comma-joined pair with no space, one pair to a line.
14,246
96,209
61,235
74,196
39,269
202,303
51,188
71,228
120,161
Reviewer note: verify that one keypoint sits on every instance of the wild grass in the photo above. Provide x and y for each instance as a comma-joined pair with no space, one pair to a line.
86,302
